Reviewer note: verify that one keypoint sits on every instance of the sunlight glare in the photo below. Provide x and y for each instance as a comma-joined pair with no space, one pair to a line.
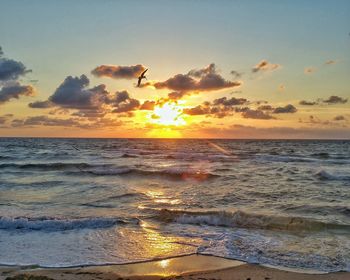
168,114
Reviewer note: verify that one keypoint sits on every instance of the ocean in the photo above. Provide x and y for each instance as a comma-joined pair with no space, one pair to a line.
70,202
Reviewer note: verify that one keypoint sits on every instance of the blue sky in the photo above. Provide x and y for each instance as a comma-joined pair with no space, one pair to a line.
60,38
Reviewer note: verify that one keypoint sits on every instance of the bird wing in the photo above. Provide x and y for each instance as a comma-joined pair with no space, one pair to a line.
143,73
139,81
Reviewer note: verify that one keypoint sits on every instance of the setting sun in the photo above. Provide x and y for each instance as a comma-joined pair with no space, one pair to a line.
168,114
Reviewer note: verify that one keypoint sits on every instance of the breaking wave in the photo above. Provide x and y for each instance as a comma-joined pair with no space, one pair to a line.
241,219
56,224
170,173
324,175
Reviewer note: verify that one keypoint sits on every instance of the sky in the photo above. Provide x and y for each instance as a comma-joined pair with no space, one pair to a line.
216,69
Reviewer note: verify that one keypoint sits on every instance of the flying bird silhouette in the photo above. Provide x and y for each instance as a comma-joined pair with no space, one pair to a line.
142,76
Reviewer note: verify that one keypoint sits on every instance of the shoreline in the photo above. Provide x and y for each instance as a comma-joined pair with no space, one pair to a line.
193,266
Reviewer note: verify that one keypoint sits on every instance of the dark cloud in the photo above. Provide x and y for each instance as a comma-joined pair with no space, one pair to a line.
198,110
264,65
14,91
41,104
91,102
219,108
86,113
205,79
331,100
339,118
256,114
230,102
307,103
11,69
10,88
175,95
74,93
123,103
119,72
285,110
335,100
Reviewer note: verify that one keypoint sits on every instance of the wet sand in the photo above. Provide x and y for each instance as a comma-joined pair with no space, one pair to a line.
186,267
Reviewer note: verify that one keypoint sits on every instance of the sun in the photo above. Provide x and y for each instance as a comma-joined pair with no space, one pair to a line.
169,114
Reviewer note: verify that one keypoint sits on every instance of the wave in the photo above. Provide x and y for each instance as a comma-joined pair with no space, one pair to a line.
5,157
285,158
241,219
179,173
49,166
56,224
324,175
129,156
110,171
321,155
170,173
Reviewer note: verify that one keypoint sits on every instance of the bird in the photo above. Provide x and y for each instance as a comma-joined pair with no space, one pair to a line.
142,76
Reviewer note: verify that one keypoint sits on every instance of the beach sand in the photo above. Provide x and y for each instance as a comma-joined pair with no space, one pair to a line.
186,267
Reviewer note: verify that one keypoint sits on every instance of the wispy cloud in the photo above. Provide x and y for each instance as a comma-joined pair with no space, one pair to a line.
265,66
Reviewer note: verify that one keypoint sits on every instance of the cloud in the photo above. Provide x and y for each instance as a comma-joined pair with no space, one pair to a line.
230,102
250,132
335,100
256,114
285,110
219,108
119,72
68,122
236,74
46,121
198,73
330,62
206,79
11,69
6,117
91,102
264,65
265,108
307,103
14,91
122,102
175,95
10,72
330,101
41,104
148,105
198,110
315,121
224,106
309,70
339,118
74,93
